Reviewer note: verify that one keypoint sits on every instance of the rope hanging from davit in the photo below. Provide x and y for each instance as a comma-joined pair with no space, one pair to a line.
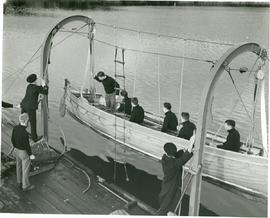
181,80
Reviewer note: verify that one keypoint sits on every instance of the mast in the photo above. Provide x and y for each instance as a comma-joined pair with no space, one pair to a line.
45,56
205,103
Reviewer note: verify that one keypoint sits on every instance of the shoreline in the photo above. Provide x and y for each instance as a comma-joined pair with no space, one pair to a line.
25,6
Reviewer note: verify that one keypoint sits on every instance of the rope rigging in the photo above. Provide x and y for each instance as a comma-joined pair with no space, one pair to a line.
181,80
165,36
32,59
241,70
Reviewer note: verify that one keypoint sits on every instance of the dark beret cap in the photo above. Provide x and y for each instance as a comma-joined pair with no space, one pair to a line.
31,78
170,148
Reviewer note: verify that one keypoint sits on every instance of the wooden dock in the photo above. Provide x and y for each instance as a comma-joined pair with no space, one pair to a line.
60,191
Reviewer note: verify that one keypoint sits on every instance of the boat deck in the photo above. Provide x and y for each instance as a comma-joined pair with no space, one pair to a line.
60,191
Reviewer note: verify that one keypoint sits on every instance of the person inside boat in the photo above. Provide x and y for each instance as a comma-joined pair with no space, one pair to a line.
125,106
170,120
187,129
233,139
23,153
30,102
137,113
172,166
111,88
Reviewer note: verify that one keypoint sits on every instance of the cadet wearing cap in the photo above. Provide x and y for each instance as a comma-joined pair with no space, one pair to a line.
172,165
23,153
30,102
125,106
233,139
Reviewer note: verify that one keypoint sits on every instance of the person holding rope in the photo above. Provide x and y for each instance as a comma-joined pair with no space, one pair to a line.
111,88
172,166
30,102
23,153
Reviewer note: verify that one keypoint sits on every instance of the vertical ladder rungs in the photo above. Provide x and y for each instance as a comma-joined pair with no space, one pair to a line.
118,75
120,62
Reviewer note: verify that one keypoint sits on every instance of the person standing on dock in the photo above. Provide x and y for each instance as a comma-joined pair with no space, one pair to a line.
233,139
137,113
23,153
172,166
170,121
111,88
125,105
30,102
188,127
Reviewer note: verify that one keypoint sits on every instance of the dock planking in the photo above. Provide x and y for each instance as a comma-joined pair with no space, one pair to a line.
59,191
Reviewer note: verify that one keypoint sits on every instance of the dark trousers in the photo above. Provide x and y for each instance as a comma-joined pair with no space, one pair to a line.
33,123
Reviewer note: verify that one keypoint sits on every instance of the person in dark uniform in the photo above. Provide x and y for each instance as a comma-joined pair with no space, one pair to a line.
111,88
187,127
9,105
30,102
23,153
170,121
172,166
125,105
137,113
233,139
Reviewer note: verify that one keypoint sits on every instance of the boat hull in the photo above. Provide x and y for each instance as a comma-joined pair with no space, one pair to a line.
247,172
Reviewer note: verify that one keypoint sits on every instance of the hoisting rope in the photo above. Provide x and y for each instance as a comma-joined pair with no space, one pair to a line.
264,120
158,76
136,63
115,118
155,53
239,95
166,36
190,171
149,52
181,81
236,103
32,59
20,70
86,69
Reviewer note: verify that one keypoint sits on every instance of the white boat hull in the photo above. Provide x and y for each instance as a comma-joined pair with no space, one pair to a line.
248,172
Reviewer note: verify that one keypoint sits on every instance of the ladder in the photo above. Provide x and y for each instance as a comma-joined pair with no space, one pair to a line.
121,76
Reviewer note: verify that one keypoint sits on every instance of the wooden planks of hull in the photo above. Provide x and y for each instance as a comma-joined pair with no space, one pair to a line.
244,171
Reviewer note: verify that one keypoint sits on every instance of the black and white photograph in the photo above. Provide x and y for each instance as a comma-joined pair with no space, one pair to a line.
149,108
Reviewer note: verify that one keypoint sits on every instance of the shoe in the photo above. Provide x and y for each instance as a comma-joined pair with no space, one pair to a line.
29,188
19,185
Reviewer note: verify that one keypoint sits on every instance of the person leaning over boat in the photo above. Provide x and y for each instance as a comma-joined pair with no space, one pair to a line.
170,121
233,139
172,166
111,88
30,102
125,106
23,153
137,113
187,128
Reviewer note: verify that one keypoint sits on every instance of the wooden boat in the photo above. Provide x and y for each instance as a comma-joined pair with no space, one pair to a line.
247,172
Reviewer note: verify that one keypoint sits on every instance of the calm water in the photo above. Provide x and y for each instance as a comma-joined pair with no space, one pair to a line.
24,34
